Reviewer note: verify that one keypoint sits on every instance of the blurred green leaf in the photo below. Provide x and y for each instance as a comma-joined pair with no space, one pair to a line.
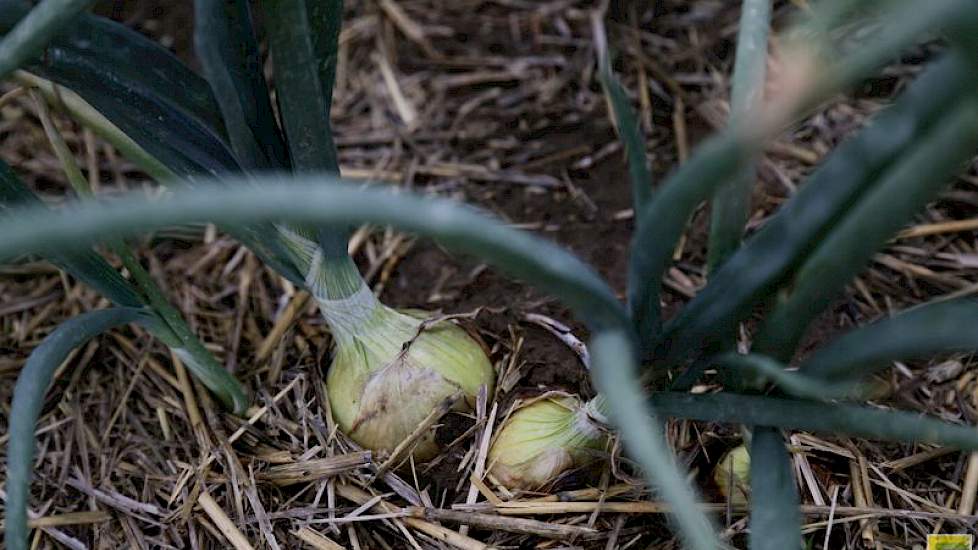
730,207
29,37
754,366
89,267
323,199
614,368
831,418
775,523
901,24
84,264
32,383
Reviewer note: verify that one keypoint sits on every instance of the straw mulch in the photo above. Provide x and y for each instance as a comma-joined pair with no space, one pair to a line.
494,102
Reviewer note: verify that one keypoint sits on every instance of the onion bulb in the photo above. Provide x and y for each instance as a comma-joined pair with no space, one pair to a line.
545,438
386,377
732,475
390,368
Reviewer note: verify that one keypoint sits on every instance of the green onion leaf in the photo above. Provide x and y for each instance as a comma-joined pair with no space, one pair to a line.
613,359
84,263
322,200
731,203
916,333
629,133
902,190
830,418
32,383
224,39
303,37
660,224
773,253
775,523
798,384
32,33
169,111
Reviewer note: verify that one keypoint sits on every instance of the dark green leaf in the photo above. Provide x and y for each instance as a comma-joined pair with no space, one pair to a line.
660,224
613,358
775,523
903,189
917,333
829,418
32,383
28,38
225,42
770,256
303,37
757,367
169,111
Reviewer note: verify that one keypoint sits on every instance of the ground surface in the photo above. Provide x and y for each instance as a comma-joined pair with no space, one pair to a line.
495,103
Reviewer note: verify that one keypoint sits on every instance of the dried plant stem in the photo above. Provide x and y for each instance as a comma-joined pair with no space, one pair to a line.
316,540
223,522
970,487
442,534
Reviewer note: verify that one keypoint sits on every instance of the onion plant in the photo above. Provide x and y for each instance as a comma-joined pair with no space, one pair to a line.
227,160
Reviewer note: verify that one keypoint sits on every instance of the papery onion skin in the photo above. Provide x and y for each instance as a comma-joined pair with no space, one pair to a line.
542,440
380,392
736,461
390,368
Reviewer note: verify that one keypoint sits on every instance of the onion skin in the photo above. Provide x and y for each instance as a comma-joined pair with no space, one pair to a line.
737,462
544,439
385,377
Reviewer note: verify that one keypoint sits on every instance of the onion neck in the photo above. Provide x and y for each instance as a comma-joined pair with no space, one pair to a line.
345,300
597,409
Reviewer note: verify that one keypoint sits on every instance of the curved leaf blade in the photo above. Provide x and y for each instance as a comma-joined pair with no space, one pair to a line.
180,129
84,264
323,200
831,418
916,333
169,111
775,522
32,383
